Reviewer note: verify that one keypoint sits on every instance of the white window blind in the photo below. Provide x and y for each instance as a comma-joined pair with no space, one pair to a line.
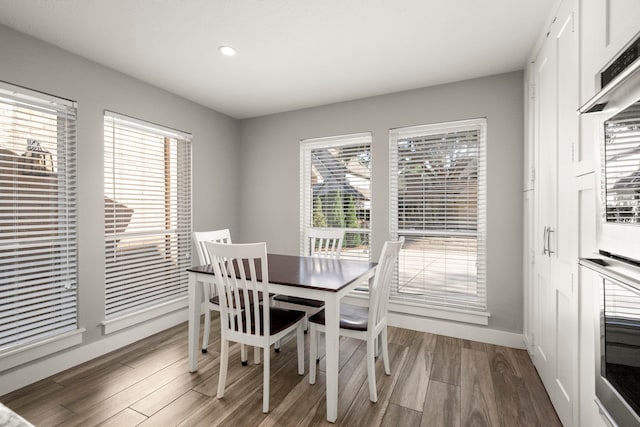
335,190
38,251
147,187
438,203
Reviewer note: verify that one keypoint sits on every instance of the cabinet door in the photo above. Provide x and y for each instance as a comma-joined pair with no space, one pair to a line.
546,151
555,336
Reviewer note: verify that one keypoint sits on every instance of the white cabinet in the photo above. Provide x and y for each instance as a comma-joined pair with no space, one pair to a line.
560,196
553,296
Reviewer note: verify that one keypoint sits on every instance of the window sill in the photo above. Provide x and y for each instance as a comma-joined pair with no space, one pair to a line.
29,352
118,323
423,310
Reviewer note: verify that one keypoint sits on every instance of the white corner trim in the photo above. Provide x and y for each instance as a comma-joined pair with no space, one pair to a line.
457,330
26,353
44,368
132,319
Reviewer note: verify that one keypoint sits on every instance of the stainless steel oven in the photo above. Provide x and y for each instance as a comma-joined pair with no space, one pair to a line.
618,382
617,376
617,105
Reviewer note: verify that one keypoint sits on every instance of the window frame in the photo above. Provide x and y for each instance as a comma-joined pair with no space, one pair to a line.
65,111
116,320
306,193
476,311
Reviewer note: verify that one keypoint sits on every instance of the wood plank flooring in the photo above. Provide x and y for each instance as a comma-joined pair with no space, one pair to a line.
434,381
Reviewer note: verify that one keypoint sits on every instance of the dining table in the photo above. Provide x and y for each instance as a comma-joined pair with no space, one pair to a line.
324,279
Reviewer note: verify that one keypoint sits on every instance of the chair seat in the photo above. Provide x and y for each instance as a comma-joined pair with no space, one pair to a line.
216,300
279,320
353,317
299,301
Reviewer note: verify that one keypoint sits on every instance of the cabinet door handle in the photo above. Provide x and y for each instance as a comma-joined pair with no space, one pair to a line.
544,240
549,231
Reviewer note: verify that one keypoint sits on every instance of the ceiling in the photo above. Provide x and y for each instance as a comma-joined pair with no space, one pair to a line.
291,54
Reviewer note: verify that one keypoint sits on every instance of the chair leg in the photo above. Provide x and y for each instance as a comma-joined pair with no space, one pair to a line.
265,382
376,346
207,329
385,350
371,370
300,333
243,354
256,355
276,345
224,361
313,353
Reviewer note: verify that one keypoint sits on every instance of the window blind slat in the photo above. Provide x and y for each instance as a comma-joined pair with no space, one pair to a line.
147,183
38,269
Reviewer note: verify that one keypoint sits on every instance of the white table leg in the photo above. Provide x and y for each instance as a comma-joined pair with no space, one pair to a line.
194,321
332,337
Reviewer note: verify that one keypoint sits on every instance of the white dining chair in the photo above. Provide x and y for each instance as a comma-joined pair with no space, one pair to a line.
238,268
324,243
364,323
212,302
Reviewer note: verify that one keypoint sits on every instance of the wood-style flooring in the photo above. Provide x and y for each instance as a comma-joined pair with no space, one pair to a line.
435,381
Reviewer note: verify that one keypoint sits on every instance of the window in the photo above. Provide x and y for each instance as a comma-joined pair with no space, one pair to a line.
38,251
335,189
438,203
147,216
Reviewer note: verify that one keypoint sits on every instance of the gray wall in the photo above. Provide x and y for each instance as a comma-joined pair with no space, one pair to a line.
269,152
40,66
254,163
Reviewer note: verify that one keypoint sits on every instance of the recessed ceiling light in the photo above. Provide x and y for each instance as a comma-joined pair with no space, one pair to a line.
227,50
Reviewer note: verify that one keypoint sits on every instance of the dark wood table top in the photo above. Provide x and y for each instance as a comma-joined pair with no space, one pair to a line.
308,272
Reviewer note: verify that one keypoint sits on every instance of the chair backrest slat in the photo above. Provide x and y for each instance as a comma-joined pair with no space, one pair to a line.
218,236
325,243
236,267
379,292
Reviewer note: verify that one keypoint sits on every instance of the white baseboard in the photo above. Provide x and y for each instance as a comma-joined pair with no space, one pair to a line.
457,330
41,369
38,370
